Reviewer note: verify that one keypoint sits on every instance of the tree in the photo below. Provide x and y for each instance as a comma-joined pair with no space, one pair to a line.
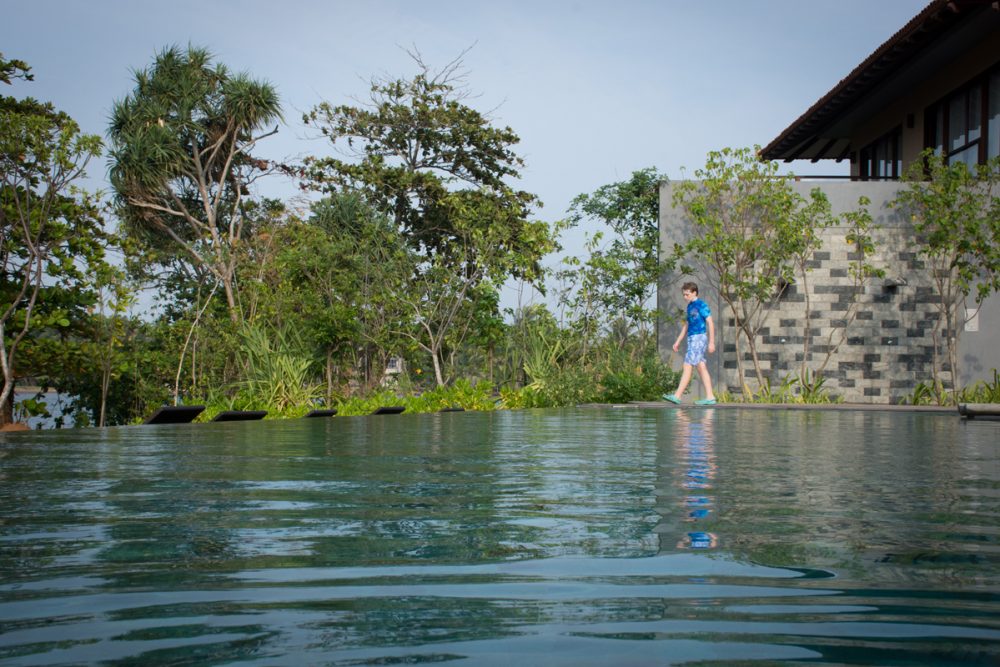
14,69
623,273
748,225
92,361
956,213
50,233
181,160
334,277
860,270
440,169
411,147
807,223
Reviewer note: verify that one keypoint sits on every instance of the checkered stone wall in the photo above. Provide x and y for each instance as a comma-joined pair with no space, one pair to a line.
874,344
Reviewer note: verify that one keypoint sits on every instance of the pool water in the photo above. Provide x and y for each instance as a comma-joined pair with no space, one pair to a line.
540,537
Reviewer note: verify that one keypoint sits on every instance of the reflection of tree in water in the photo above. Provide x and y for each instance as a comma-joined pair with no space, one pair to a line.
696,464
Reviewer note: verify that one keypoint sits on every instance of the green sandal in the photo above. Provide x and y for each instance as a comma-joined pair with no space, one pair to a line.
706,401
671,398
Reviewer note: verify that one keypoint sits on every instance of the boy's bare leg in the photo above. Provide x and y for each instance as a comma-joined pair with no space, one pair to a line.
706,379
685,380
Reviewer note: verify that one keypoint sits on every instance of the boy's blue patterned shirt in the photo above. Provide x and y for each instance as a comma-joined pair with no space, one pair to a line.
697,312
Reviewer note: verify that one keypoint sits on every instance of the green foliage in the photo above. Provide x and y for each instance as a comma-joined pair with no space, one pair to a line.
123,363
517,398
278,375
934,392
524,343
448,294
564,385
614,383
419,152
51,234
181,159
982,391
560,373
619,276
542,356
930,393
337,279
14,69
782,394
365,405
647,380
860,235
812,389
463,394
27,408
807,388
441,170
956,213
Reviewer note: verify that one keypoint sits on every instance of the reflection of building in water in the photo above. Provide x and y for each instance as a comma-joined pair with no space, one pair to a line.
695,448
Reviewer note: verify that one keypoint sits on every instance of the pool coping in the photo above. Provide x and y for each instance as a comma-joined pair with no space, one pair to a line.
826,407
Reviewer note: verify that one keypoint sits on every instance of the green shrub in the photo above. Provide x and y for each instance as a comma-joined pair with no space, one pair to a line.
365,405
278,374
929,393
646,381
982,391
809,388
518,399
463,394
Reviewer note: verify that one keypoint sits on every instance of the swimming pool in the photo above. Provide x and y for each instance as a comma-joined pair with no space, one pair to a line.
556,537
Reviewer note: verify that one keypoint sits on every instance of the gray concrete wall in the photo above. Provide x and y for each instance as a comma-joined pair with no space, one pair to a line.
889,347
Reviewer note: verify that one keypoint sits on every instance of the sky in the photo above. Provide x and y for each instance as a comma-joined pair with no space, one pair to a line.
595,89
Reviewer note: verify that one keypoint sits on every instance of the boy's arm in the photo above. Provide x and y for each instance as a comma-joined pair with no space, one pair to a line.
684,330
711,334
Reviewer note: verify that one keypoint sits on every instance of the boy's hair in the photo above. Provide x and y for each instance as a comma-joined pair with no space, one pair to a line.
689,287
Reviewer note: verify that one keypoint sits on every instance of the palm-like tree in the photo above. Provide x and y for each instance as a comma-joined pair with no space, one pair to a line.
180,161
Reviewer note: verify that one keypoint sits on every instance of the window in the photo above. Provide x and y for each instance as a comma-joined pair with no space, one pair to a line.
881,159
993,114
955,125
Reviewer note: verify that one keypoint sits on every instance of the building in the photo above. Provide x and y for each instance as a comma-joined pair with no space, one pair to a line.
935,83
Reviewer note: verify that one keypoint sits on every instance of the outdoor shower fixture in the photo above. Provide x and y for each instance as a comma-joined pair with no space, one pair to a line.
892,284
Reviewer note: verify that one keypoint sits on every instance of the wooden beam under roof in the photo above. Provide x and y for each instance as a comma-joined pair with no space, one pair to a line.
827,146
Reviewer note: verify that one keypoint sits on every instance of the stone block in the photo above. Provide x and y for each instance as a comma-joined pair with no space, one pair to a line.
852,365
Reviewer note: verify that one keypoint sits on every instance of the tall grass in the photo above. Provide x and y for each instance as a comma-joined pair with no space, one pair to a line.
278,376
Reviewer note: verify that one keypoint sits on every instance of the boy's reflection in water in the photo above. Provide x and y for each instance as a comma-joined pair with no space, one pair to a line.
695,445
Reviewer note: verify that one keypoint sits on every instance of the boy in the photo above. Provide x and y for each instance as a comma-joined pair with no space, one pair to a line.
699,319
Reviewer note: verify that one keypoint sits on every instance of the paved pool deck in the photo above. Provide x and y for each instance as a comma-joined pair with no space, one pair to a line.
830,407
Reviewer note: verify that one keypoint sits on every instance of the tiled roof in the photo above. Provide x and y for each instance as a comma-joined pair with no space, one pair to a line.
805,137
